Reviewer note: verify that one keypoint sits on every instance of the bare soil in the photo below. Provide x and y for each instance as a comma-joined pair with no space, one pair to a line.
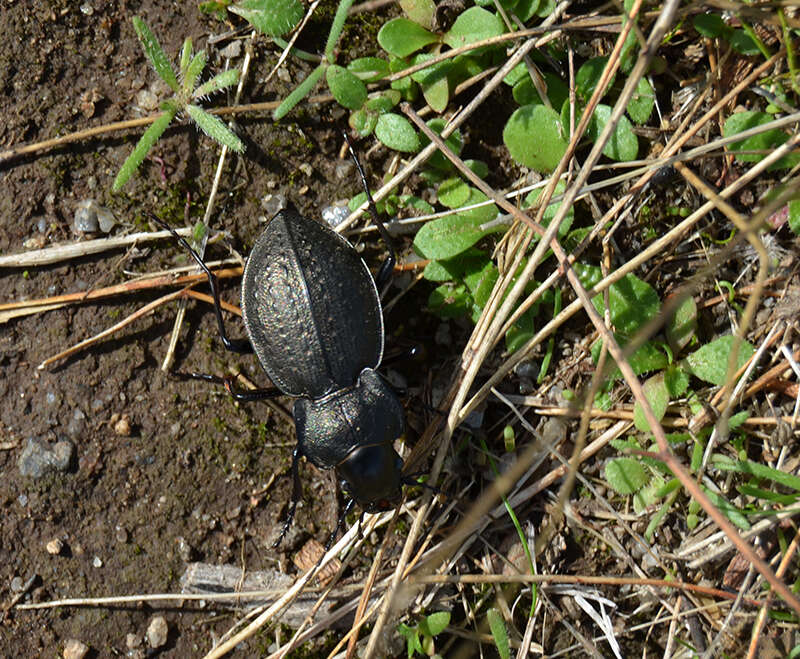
186,481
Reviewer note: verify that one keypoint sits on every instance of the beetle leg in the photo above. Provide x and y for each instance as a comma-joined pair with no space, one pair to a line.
297,493
385,272
234,345
229,382
345,512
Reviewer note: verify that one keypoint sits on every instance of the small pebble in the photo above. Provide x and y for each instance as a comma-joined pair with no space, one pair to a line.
307,169
97,562
86,217
123,426
147,100
273,203
132,641
344,169
17,584
55,546
75,649
87,9
121,534
157,632
283,75
232,50
38,457
105,219
22,500
41,225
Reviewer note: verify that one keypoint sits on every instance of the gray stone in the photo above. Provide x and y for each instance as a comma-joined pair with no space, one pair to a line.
39,457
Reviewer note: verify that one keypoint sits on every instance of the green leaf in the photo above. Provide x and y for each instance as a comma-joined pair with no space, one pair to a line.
369,69
453,192
533,137
623,144
419,11
525,93
435,623
447,236
146,141
474,24
640,107
193,70
625,475
682,325
676,380
337,25
272,17
520,332
552,209
397,133
794,216
220,81
648,495
215,128
363,122
730,511
450,300
155,54
481,282
632,302
767,141
499,633
185,57
743,43
347,89
588,78
655,390
454,143
300,92
757,470
710,25
470,260
710,362
401,37
434,82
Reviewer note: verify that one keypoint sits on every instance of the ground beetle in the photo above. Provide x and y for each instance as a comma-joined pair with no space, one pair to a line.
313,317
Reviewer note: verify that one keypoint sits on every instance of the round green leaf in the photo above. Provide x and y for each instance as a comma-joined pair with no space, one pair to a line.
397,133
549,214
273,18
419,11
369,69
794,216
453,192
533,137
525,93
766,141
363,122
709,25
588,77
641,104
710,362
682,325
623,144
474,24
655,390
454,143
401,37
625,475
347,89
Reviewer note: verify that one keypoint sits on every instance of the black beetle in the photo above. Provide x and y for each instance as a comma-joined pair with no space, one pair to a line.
313,316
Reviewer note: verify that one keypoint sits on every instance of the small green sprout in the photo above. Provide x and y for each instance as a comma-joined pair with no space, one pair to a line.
184,98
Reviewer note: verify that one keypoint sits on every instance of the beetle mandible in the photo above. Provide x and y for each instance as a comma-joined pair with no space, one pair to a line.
313,317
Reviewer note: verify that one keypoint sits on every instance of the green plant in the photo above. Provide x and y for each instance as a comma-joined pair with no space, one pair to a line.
185,95
420,637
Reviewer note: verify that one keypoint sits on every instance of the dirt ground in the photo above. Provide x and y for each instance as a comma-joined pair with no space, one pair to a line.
163,471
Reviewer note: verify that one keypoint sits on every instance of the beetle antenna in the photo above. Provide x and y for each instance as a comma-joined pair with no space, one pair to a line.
388,265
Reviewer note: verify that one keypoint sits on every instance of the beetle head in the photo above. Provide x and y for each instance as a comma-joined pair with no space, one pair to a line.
372,476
